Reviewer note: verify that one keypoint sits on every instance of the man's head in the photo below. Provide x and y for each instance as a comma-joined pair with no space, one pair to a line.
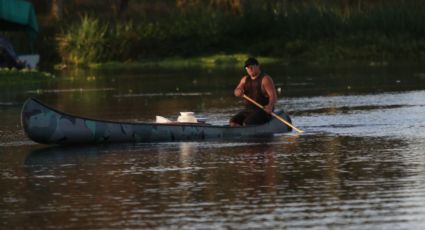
252,67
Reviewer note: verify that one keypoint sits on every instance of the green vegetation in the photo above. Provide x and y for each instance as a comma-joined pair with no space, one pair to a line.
211,61
14,76
303,30
83,42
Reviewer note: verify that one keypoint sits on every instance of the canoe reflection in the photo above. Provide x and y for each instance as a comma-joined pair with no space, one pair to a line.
143,175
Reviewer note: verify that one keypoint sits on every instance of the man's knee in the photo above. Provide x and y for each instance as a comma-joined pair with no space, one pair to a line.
256,118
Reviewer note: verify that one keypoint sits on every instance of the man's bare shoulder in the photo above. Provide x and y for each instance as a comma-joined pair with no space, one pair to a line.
243,79
267,78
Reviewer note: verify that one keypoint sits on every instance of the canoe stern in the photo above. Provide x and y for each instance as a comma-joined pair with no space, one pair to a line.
39,125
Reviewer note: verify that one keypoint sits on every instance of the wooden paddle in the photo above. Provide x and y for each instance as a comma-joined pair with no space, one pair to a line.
273,114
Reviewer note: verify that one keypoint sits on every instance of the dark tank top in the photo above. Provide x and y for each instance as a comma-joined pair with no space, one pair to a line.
253,90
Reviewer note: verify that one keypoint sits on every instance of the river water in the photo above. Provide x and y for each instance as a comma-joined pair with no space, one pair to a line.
359,165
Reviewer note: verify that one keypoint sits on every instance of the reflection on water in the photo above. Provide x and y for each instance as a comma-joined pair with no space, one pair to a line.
254,184
43,91
164,94
360,164
395,114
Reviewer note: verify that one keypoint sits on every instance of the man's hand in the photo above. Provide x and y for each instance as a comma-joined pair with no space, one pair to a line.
268,109
239,92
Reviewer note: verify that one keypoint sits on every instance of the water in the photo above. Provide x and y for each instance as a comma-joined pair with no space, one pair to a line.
359,165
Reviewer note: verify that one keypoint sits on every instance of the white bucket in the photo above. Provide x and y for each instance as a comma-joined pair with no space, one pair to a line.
188,117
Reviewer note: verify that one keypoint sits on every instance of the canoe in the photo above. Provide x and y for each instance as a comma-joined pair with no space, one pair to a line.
46,125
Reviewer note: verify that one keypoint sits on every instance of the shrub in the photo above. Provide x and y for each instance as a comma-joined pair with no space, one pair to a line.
83,42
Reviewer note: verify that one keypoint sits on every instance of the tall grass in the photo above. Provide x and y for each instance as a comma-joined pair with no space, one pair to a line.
83,42
305,30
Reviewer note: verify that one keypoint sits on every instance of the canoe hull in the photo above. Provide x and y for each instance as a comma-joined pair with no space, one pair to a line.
47,125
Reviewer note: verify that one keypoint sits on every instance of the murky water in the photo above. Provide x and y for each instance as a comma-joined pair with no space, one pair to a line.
360,164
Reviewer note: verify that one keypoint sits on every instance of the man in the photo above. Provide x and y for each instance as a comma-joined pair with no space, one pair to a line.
258,86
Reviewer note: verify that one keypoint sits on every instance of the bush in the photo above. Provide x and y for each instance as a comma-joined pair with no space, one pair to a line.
83,42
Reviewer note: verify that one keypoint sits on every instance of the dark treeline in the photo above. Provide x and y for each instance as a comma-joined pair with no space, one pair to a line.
82,31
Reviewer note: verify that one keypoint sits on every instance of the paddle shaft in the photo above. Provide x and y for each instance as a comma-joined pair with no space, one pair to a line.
273,114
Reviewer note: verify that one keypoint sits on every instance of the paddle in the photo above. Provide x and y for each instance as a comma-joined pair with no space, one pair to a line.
273,114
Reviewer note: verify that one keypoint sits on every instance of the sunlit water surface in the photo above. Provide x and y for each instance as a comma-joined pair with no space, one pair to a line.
359,165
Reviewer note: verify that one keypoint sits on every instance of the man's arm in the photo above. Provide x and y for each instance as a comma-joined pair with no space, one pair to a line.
239,89
270,91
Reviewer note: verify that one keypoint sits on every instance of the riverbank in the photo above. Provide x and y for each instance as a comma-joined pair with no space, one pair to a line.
231,61
211,61
13,76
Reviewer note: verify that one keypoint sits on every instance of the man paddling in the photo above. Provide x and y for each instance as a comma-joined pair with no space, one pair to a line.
259,86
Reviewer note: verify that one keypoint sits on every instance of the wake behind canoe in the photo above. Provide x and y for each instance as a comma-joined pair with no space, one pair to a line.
46,125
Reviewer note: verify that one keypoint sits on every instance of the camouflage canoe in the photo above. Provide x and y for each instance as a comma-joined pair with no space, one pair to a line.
47,125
